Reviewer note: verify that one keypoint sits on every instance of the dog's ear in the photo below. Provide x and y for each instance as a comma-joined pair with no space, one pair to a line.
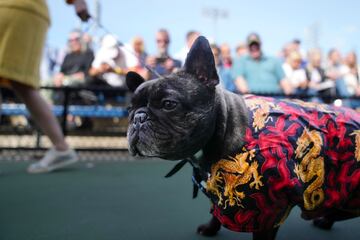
200,63
133,80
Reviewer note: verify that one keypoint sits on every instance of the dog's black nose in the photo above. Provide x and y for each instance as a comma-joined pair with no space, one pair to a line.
140,117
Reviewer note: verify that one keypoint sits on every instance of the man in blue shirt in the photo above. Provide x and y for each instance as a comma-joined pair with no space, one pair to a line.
258,73
162,62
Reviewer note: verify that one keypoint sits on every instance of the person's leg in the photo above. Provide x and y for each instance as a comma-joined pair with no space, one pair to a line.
210,228
341,88
60,155
1,98
42,114
355,103
342,92
314,96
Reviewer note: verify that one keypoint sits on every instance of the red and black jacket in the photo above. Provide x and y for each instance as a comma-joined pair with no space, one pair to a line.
295,153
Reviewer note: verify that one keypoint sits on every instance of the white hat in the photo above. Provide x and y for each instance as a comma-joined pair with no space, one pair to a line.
109,41
109,50
109,45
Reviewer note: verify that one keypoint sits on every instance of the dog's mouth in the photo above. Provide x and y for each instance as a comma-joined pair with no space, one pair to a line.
135,151
138,145
133,139
149,140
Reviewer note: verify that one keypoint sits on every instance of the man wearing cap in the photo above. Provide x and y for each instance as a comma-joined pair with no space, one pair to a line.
258,73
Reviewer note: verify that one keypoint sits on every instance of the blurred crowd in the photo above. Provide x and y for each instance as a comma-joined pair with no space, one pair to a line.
244,68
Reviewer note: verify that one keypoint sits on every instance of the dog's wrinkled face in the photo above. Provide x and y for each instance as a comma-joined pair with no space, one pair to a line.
173,117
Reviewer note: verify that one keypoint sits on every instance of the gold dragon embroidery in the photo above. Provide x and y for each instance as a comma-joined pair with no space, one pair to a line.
357,144
227,175
261,109
311,167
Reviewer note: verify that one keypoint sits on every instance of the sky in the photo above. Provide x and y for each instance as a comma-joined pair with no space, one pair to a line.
326,23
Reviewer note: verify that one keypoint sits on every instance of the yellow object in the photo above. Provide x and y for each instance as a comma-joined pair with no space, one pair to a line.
23,26
357,144
119,71
239,170
311,169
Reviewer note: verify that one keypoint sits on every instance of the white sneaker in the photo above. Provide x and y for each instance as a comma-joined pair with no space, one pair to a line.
53,160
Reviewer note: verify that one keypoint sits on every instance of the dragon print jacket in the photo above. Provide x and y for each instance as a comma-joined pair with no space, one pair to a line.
295,153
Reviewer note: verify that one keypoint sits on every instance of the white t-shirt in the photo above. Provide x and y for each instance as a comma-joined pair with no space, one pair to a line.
131,60
294,76
351,80
116,59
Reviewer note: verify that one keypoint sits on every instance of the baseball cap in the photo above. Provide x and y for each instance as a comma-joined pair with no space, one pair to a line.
253,38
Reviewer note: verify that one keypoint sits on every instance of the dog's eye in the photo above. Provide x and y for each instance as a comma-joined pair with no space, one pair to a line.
169,105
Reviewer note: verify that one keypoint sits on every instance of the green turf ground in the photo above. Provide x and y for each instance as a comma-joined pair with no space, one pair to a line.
120,201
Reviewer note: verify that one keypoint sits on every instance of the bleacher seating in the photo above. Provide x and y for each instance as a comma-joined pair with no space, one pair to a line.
99,111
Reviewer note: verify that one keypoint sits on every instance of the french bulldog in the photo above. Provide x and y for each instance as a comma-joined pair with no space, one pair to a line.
260,156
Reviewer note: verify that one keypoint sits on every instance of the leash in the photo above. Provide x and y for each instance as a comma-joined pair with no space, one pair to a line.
196,178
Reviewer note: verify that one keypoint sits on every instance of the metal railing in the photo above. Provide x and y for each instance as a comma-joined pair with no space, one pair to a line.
103,107
101,112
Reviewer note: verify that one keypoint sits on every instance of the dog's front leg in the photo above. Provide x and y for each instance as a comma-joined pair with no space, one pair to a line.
266,235
210,228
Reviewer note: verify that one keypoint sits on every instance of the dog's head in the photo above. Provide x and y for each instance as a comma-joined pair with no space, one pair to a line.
173,117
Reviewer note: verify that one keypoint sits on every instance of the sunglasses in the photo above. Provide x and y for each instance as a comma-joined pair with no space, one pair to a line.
162,41
254,48
74,40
